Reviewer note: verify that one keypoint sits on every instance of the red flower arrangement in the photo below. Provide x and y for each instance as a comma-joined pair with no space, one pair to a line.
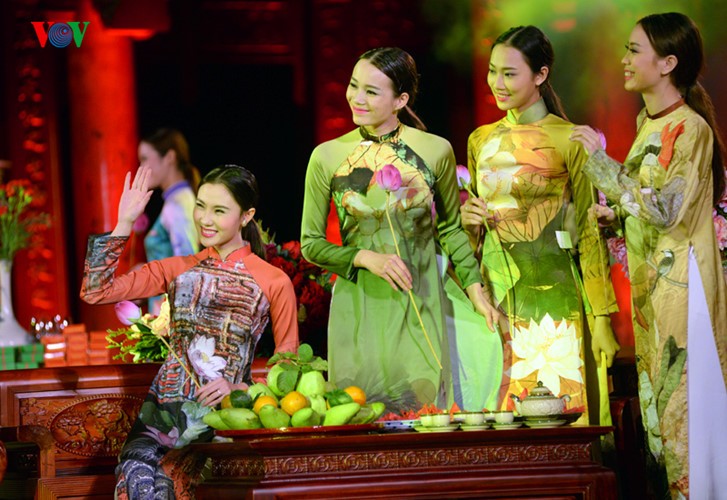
312,286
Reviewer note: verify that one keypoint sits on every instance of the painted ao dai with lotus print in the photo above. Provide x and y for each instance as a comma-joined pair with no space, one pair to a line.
529,173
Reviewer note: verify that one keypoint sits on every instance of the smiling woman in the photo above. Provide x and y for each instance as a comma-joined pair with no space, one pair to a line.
528,219
221,299
376,340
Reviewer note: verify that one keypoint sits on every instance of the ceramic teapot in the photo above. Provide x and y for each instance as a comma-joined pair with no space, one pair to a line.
540,402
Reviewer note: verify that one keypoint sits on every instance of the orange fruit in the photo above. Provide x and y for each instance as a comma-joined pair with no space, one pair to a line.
264,401
226,402
357,394
294,401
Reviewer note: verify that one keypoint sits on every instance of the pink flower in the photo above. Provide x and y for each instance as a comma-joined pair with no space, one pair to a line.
463,177
617,248
127,312
141,224
388,178
720,227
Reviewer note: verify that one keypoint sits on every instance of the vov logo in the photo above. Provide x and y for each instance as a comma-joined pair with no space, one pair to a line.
60,35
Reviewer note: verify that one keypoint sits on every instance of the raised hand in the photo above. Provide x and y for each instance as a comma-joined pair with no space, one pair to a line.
133,200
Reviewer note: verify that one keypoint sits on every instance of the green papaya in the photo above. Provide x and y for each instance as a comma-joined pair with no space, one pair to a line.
305,417
318,403
214,420
312,383
239,418
341,414
273,418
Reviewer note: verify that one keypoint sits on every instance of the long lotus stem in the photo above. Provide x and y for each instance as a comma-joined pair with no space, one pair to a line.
411,295
505,266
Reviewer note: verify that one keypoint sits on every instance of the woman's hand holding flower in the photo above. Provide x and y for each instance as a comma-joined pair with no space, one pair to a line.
605,216
390,267
474,213
477,296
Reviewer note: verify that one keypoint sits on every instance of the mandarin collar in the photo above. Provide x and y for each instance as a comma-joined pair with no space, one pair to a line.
380,138
534,113
238,254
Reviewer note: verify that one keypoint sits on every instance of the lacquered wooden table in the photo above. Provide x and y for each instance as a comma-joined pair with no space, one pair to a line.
553,463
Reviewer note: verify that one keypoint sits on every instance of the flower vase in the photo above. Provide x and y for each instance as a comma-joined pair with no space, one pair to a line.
11,333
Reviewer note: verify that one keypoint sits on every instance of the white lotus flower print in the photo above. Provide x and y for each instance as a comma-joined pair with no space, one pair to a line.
553,351
495,185
201,354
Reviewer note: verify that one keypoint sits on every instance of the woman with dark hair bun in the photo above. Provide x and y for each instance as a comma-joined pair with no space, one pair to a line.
221,299
389,283
665,192
166,153
542,255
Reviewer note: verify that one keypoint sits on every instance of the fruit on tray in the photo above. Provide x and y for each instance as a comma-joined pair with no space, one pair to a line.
297,394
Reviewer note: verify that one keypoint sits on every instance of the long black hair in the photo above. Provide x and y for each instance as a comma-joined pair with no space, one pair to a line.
401,69
673,33
242,185
537,50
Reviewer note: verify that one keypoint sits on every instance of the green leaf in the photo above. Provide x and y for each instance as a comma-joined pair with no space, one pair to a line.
305,353
288,379
501,268
319,364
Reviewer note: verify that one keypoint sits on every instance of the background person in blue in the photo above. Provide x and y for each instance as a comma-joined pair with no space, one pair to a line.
166,153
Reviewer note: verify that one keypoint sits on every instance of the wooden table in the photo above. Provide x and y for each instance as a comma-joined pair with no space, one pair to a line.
553,463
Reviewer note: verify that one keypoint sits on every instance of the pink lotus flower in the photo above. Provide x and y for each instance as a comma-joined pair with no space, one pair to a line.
463,177
127,312
388,178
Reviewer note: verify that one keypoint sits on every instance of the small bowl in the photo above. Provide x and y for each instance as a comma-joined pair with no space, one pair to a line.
504,417
473,418
489,416
426,420
441,420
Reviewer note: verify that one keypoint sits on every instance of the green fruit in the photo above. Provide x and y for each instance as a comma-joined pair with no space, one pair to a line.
259,389
239,418
363,416
378,408
305,417
273,418
240,399
312,383
338,397
214,420
318,403
341,414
